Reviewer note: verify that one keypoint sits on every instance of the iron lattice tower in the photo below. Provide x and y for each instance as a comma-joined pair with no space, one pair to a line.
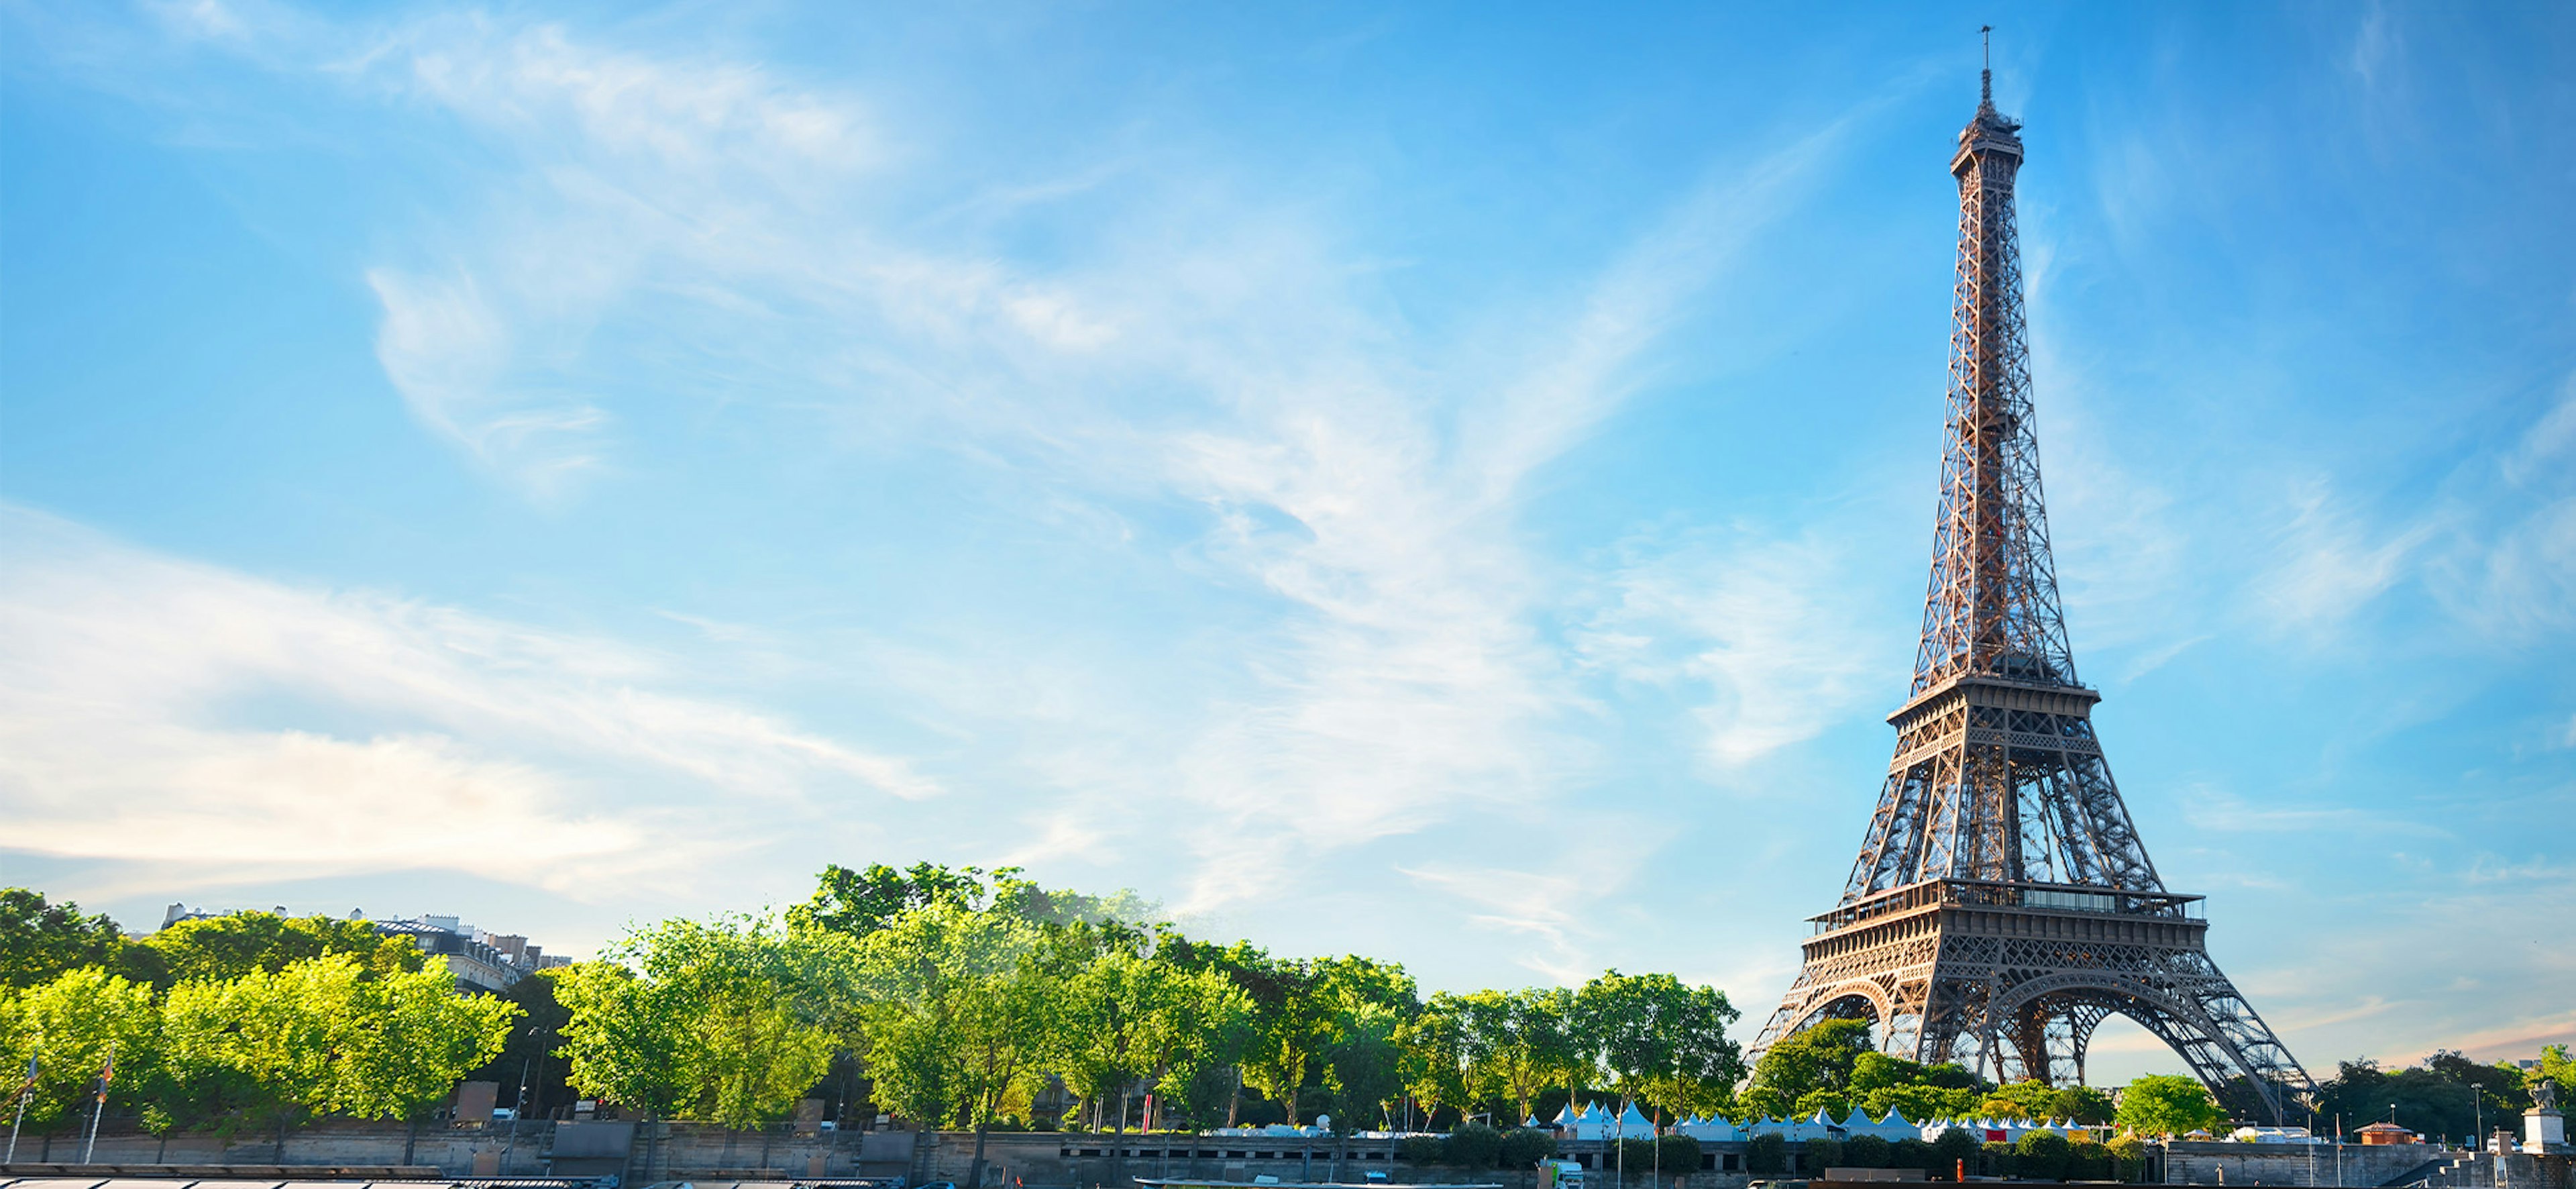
2002,906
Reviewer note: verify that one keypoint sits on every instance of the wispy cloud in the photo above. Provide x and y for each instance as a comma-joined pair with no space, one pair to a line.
222,725
1765,631
657,222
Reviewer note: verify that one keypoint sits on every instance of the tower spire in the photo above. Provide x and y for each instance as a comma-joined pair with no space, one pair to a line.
1986,77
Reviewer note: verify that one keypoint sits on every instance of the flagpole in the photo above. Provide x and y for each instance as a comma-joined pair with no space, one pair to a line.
99,1107
26,1091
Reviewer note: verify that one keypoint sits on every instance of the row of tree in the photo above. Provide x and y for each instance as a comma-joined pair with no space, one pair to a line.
321,1035
965,997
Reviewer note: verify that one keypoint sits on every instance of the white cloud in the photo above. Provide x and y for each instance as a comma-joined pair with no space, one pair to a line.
2330,562
1766,630
159,710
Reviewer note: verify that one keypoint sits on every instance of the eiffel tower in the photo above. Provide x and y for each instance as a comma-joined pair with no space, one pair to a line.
2002,906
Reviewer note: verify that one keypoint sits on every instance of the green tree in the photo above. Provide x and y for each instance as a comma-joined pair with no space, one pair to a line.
40,941
1953,1149
2164,1104
2042,1155
626,1038
752,1013
1912,1153
960,1014
250,1052
1442,1051
527,1061
1767,1153
1114,1007
2129,1156
2082,1104
2031,1101
1522,1042
1524,1147
1865,1151
1364,1064
1659,1040
1812,1063
1292,1025
1880,1083
860,901
218,949
70,1024
406,1038
1474,1145
1365,1004
1201,1025
2556,1066
962,1010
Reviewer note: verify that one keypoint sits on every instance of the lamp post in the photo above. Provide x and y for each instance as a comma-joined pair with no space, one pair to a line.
2478,1111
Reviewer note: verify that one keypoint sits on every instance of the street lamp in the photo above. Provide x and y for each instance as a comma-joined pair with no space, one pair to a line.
2478,1107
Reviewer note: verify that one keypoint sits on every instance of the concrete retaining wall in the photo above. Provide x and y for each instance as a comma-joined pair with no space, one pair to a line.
643,1153
2361,1166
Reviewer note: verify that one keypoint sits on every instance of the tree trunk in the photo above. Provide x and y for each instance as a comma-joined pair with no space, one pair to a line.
1234,1104
975,1170
411,1138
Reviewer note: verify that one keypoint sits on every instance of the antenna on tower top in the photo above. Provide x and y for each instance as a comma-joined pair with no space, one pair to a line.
1986,77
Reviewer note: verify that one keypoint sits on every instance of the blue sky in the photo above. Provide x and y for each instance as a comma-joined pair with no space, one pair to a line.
1445,482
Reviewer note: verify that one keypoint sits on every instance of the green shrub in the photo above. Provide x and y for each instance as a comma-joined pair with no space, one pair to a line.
2088,1160
1950,1148
2042,1155
1821,1154
1677,1154
1639,1155
1913,1153
1866,1151
1524,1148
1474,1145
2128,1157
1423,1149
1998,1159
1767,1153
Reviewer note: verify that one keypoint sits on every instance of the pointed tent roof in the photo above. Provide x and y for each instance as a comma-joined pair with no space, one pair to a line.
1531,1123
1631,1118
1895,1118
1568,1117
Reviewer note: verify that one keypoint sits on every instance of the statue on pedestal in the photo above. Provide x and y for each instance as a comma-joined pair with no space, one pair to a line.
2544,1130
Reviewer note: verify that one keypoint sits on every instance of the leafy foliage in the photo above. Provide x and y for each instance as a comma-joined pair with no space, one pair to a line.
1866,1151
323,1035
1524,1147
216,949
1767,1153
40,941
70,1025
2042,1155
2166,1104
2445,1096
